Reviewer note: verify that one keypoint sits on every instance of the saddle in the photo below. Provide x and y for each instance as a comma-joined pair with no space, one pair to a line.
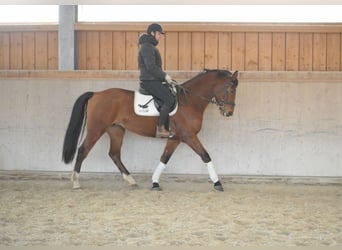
146,105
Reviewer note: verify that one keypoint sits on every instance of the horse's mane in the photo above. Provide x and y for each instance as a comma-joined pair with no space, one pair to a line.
182,91
220,74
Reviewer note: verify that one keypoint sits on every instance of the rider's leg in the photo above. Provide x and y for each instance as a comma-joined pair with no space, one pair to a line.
163,94
162,127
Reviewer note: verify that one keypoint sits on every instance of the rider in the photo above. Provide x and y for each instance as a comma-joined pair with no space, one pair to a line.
152,76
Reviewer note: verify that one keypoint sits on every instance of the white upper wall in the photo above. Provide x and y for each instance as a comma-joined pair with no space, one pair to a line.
177,13
162,2
211,13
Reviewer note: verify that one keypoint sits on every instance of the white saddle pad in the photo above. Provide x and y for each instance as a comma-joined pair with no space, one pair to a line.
144,105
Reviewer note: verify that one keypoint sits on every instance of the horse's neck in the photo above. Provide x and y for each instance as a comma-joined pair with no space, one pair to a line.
199,92
202,86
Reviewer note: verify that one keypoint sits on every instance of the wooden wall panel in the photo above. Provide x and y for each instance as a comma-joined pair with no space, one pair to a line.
252,51
319,59
184,51
52,50
171,51
16,50
119,50
82,50
333,52
225,50
161,47
292,51
197,51
305,52
211,50
106,50
28,50
93,50
238,51
41,53
132,50
265,51
278,51
4,50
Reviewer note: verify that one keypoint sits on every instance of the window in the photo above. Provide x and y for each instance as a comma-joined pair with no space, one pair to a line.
28,13
210,13
176,13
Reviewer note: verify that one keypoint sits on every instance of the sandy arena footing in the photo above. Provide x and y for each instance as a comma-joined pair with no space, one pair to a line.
43,209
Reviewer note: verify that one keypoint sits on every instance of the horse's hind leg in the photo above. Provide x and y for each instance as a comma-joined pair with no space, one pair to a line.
82,153
116,133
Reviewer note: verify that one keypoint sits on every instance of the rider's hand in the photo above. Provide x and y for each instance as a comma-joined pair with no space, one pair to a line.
169,79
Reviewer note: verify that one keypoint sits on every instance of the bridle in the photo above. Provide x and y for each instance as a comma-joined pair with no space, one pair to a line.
221,102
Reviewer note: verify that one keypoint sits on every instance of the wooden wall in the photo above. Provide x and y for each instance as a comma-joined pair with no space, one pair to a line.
29,47
186,46
250,47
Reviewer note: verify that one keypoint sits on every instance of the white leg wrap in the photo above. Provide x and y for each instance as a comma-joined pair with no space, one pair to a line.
75,180
158,172
212,172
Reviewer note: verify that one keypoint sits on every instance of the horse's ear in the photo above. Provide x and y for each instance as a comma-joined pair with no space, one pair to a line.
235,75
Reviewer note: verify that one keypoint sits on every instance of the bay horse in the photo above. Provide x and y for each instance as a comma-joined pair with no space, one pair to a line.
111,111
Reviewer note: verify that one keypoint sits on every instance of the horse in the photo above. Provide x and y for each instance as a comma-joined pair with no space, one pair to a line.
111,111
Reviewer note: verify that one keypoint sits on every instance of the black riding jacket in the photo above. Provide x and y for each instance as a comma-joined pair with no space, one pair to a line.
149,59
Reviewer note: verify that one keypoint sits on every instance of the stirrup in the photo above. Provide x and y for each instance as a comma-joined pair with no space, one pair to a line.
162,132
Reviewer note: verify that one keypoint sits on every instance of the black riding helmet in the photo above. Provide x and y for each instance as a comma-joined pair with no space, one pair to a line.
155,27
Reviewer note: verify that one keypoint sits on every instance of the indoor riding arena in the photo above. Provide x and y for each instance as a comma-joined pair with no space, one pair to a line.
278,156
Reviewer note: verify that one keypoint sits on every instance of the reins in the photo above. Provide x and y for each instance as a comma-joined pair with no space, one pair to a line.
186,92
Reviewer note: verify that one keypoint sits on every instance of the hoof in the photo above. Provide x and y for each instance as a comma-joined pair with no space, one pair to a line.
75,180
133,187
156,187
218,186
129,179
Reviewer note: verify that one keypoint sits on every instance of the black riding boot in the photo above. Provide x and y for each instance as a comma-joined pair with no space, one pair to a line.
161,131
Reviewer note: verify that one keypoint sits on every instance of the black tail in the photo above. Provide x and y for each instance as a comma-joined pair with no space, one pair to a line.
75,126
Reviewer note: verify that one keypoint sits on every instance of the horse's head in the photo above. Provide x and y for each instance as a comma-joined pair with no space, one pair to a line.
213,86
225,92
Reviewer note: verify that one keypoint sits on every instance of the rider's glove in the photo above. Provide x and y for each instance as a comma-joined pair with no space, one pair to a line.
169,79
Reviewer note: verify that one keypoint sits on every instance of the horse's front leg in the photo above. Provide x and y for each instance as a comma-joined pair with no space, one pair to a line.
197,146
170,147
